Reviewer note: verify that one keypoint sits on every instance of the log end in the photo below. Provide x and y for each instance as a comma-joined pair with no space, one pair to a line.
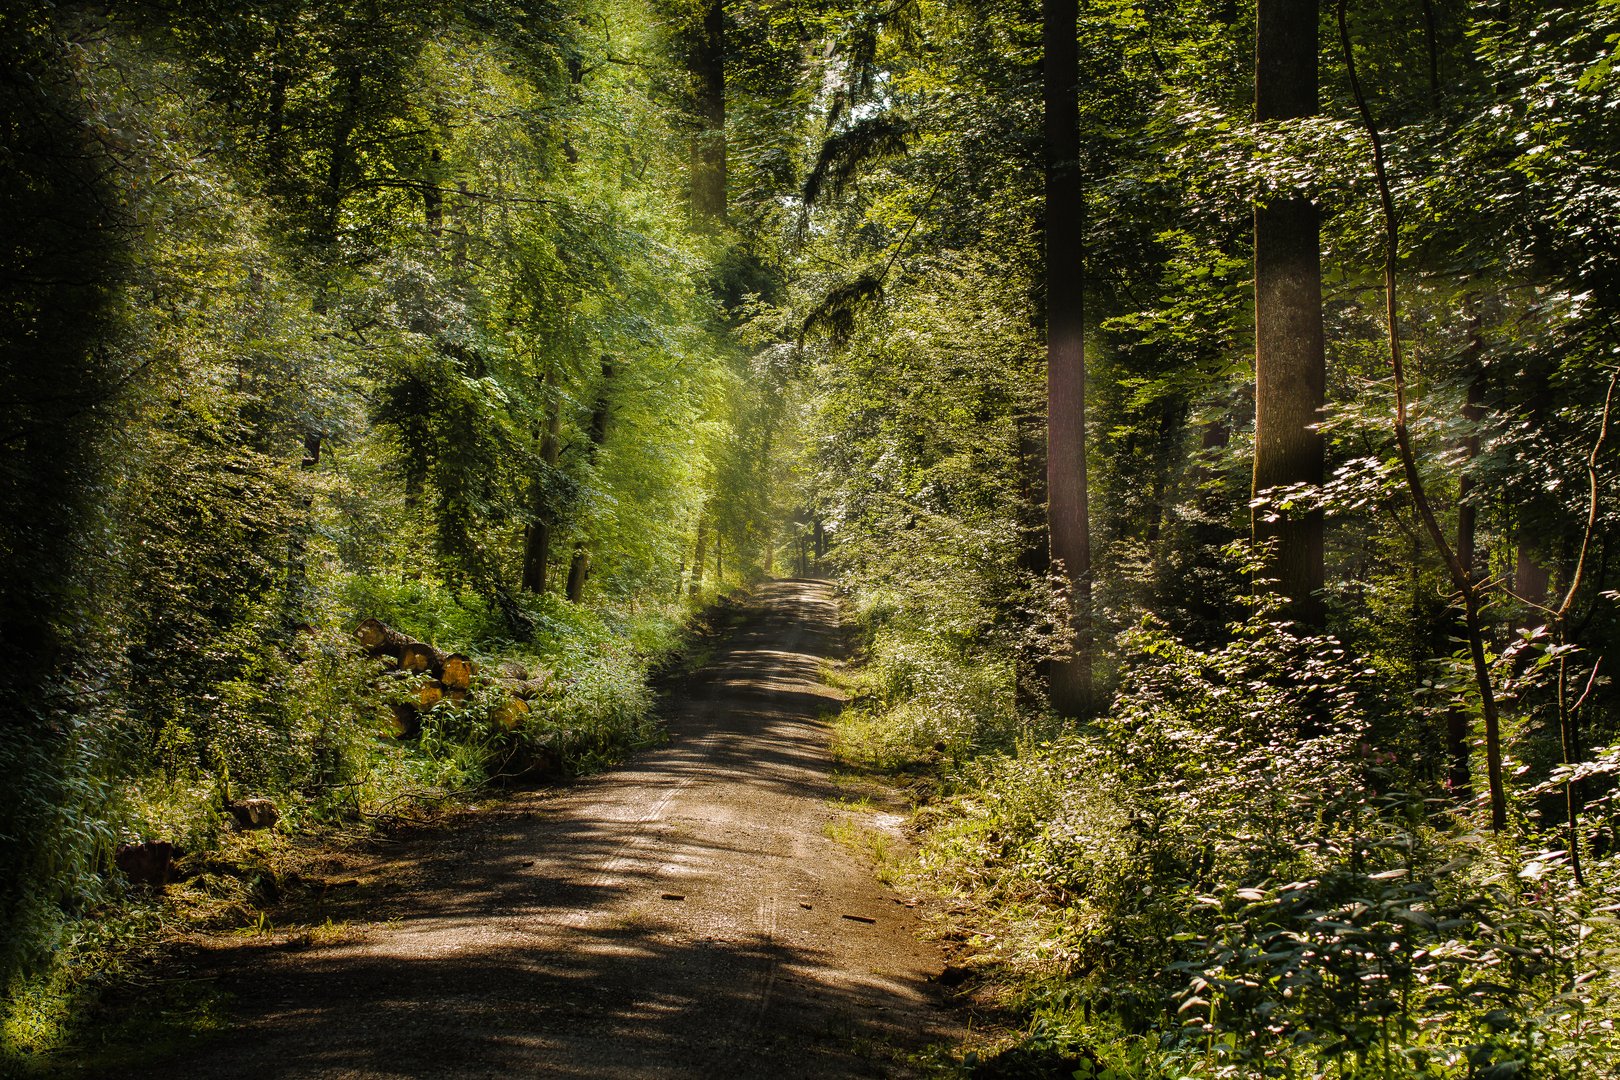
512,713
419,657
371,634
254,813
459,670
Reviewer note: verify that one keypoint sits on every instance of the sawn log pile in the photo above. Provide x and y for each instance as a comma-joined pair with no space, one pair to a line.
449,678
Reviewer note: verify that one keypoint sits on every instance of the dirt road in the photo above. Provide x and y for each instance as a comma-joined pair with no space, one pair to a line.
684,915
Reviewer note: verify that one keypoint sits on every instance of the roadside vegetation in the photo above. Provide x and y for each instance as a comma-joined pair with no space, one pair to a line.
317,314
1208,410
1301,765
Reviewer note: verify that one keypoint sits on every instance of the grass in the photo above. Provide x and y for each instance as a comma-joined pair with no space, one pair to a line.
105,993
130,1024
881,851
113,997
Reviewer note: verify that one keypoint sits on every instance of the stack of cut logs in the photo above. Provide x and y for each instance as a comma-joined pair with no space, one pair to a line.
449,678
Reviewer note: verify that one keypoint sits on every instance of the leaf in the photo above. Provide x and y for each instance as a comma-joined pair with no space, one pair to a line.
843,155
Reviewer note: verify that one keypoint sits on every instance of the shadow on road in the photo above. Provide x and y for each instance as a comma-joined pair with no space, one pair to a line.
684,915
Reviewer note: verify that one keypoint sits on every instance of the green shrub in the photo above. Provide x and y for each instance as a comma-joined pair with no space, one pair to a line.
1222,878
918,696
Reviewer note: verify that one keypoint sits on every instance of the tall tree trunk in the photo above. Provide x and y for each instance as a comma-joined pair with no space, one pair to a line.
1431,40
1531,577
275,143
708,63
1290,370
702,551
1171,420
432,196
1068,520
537,538
342,153
579,568
1467,512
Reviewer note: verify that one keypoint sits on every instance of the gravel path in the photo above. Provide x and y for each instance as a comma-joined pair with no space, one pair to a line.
684,915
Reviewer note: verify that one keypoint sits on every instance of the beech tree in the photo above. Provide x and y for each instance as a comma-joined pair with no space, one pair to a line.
708,62
1289,358
1068,518
523,329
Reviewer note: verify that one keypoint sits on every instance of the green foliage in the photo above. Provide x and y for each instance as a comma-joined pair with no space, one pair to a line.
1224,859
917,699
847,152
294,298
320,311
1267,829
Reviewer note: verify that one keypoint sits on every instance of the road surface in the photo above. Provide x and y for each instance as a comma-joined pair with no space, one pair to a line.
686,915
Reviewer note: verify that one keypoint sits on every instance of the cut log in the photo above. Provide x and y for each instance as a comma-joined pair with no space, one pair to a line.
458,672
379,640
419,656
512,713
511,669
151,863
430,693
456,696
254,813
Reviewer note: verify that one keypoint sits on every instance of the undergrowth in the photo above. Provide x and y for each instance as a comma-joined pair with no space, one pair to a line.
309,727
1222,877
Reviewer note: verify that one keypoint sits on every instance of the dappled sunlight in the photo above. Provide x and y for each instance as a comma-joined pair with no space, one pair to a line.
684,915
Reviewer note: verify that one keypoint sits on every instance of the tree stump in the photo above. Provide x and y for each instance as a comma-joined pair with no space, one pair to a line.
149,863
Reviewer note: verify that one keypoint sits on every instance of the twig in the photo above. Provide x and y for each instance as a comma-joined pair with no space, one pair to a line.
1460,575
1592,503
1591,681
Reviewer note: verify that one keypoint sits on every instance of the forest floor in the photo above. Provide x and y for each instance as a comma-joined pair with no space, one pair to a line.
703,910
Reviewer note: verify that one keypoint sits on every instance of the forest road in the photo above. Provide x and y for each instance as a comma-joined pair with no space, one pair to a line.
685,915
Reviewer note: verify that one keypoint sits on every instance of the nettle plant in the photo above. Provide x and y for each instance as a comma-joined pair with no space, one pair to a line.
1233,765
1303,910
1216,770
1414,970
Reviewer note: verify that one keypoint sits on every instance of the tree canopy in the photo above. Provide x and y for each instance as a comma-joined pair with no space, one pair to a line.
1206,410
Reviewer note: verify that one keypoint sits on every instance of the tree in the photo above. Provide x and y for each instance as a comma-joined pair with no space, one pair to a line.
1289,360
708,62
580,566
1067,515
537,536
